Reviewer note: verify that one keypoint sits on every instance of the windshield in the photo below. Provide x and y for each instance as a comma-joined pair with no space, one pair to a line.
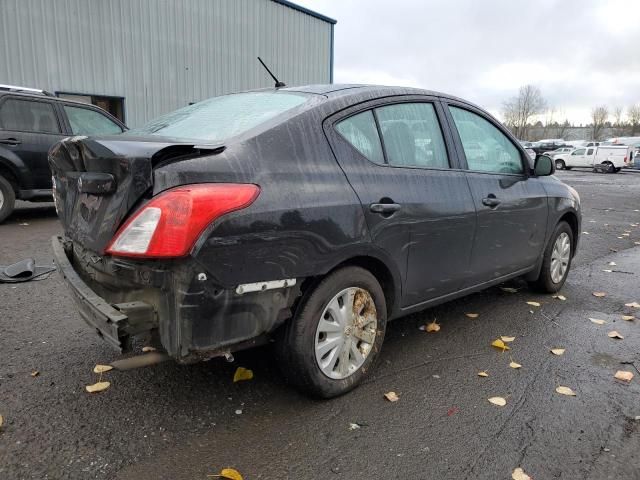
219,118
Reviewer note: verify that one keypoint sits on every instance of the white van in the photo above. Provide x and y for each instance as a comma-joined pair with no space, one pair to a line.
615,157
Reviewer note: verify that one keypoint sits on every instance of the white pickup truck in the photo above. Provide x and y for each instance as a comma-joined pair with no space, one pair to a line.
615,157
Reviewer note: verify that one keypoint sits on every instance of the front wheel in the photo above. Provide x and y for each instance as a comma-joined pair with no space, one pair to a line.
556,260
7,199
559,165
335,337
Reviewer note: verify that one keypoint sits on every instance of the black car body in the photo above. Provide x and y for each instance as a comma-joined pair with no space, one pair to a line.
31,121
410,212
541,148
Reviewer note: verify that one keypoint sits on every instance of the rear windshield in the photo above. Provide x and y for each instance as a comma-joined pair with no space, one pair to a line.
219,118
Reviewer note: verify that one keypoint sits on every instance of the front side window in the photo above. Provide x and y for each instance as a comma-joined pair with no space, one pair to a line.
487,149
361,132
220,118
412,135
580,151
89,122
28,116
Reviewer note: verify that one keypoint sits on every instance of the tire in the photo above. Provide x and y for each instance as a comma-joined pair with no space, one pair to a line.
617,169
302,336
611,168
7,198
560,165
547,281
568,168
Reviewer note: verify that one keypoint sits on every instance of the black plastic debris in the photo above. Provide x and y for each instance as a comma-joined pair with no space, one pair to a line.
23,271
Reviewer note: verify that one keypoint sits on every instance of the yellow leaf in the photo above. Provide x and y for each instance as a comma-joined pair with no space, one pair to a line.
632,304
557,351
565,391
597,321
102,368
472,315
509,289
432,327
499,401
560,297
35,373
97,387
515,365
623,375
1,421
500,344
614,334
392,396
507,339
230,474
533,304
518,474
242,374
599,294
483,374
148,349
628,317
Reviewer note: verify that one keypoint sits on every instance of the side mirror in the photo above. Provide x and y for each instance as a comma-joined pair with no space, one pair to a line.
544,166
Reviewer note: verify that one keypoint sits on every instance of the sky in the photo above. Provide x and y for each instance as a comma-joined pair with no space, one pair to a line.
580,53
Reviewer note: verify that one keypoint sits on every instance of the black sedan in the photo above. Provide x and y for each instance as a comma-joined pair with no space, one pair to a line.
310,216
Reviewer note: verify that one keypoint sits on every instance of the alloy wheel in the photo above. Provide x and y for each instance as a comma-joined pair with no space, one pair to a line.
560,256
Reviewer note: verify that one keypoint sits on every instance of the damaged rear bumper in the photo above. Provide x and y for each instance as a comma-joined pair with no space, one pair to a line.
115,323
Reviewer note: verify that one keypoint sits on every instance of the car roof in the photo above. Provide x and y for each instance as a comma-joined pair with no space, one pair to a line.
40,96
353,90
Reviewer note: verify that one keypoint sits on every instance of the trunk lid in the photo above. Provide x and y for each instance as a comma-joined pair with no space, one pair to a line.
97,181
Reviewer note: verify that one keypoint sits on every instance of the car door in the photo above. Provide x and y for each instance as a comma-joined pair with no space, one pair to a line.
88,121
511,205
29,127
415,199
589,157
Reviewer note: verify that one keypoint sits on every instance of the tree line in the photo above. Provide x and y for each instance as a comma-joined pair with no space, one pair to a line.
529,117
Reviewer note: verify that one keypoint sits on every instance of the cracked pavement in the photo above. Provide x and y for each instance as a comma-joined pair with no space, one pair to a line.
180,422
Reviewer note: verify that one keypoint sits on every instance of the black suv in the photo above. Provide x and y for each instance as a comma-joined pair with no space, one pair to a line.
31,121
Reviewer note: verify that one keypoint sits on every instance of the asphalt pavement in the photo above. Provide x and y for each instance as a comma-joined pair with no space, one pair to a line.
187,422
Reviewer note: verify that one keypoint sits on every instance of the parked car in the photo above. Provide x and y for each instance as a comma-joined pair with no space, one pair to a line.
559,151
615,157
310,216
544,147
31,121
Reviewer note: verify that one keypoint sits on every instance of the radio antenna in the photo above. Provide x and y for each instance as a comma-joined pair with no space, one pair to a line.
278,82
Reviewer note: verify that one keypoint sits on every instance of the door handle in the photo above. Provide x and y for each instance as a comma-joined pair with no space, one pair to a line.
10,141
384,208
491,201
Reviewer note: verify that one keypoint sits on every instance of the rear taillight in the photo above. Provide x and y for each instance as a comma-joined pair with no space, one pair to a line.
170,224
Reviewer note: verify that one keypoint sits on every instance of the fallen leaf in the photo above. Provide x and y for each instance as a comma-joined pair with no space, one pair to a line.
557,351
599,294
1,421
242,374
612,264
632,305
472,315
628,317
35,373
102,368
500,344
585,233
565,391
392,396
625,234
354,426
597,321
509,289
432,327
97,387
499,401
518,474
230,474
623,375
148,349
607,271
483,374
507,339
533,304
452,411
560,297
515,365
614,334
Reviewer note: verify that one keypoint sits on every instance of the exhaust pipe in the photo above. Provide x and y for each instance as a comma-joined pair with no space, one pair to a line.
139,361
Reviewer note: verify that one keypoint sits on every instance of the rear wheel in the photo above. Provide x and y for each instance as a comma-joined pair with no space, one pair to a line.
560,165
556,260
617,169
7,198
335,337
610,167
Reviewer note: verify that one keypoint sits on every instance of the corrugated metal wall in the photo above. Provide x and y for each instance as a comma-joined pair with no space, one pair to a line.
159,54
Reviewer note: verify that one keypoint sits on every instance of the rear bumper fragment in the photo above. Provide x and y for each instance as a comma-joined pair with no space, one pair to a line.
114,323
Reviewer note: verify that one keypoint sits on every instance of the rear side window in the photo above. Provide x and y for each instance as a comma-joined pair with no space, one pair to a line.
219,118
89,122
487,149
412,135
28,116
361,132
590,151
